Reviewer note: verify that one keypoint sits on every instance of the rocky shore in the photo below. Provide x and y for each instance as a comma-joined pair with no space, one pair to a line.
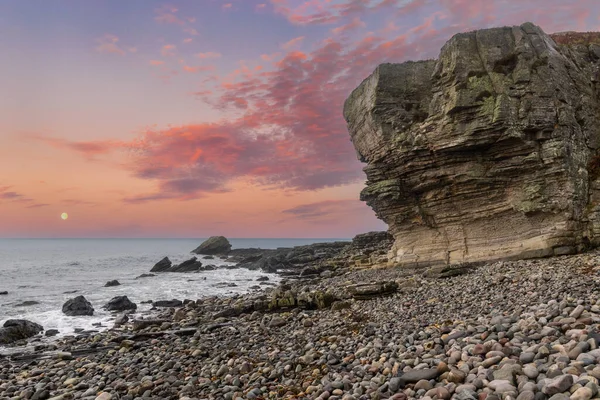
522,329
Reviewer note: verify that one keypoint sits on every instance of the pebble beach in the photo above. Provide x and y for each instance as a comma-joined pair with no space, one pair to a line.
506,330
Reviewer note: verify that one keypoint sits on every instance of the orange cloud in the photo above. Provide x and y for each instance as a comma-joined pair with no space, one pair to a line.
156,62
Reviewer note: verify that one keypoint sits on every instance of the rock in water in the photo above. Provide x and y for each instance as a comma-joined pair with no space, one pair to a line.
191,265
489,152
114,282
214,245
120,303
77,306
18,329
162,265
4,292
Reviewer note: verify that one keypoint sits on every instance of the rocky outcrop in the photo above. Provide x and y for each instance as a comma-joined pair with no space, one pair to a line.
489,152
291,261
112,283
214,245
18,329
162,265
77,306
165,265
120,303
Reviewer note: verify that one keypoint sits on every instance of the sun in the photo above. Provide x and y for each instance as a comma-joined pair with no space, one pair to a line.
64,216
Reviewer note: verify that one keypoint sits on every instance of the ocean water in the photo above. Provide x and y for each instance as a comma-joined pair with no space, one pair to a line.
50,271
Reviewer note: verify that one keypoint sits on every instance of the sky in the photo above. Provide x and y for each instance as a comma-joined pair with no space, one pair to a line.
192,118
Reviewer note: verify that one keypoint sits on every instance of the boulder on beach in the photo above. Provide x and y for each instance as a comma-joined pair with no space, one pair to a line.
114,282
120,303
18,329
77,306
162,265
51,332
213,245
168,303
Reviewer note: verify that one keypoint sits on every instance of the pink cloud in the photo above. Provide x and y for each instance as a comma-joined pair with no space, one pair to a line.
156,62
108,44
168,50
208,54
166,15
292,43
356,23
190,31
202,68
187,40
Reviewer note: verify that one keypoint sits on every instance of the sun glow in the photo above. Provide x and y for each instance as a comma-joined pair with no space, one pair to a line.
64,216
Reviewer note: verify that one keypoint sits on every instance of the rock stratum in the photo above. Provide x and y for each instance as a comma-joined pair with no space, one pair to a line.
489,152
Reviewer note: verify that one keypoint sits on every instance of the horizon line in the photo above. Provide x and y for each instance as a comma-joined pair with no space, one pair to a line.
229,238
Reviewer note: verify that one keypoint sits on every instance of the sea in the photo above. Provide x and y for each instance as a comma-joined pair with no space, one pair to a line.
41,274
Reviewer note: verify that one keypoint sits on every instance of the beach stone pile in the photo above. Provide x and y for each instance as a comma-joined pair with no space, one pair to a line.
507,330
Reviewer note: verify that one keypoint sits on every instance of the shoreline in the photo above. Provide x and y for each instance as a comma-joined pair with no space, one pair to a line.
511,328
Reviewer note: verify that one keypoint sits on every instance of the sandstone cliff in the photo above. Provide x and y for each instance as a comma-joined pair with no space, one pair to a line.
489,152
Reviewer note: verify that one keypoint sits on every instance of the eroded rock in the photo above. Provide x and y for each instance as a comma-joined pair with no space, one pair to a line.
489,152
213,245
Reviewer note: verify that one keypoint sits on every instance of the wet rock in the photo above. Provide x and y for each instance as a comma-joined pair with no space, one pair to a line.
167,303
162,266
112,283
120,303
18,329
77,306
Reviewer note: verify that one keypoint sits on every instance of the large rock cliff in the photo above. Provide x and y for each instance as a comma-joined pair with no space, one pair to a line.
489,152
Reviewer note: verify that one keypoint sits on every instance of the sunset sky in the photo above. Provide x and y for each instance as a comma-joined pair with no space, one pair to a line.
191,118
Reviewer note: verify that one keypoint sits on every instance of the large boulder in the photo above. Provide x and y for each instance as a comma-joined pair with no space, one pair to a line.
162,266
18,329
77,306
489,152
120,303
214,245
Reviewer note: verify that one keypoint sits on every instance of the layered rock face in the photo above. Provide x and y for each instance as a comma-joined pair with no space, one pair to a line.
489,152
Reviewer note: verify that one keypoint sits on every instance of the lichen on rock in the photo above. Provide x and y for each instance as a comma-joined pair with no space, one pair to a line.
489,152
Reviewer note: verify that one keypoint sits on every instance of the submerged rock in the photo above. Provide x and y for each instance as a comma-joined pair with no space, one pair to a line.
213,245
18,329
77,306
489,152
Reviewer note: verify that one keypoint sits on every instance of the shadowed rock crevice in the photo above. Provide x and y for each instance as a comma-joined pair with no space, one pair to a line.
489,152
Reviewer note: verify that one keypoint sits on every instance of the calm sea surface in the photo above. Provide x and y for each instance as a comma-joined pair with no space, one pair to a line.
50,271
